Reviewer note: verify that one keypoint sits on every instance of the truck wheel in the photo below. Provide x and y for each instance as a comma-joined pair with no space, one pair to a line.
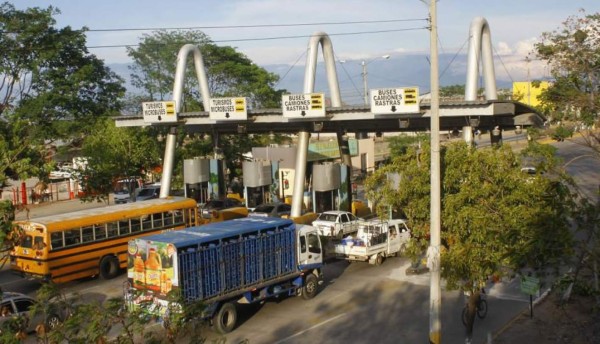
311,285
378,260
225,319
109,267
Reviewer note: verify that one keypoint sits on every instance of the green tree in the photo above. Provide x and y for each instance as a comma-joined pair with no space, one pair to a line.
496,220
229,72
51,88
573,55
113,152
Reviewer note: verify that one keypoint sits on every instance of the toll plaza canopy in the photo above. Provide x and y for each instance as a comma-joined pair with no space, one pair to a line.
359,118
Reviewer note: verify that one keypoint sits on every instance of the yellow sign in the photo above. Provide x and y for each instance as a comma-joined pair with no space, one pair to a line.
227,109
306,105
159,112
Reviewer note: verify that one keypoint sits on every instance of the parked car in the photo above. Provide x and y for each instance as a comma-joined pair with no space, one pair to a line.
276,209
148,192
336,223
213,205
14,305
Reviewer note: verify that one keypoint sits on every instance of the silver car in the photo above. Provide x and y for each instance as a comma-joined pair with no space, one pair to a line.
336,223
15,305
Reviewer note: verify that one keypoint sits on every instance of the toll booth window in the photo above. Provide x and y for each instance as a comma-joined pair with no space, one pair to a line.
314,245
56,240
303,244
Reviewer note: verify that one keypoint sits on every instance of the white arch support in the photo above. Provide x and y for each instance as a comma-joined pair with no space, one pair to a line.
171,143
180,75
480,46
309,87
311,67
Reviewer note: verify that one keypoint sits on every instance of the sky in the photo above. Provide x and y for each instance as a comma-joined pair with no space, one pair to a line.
278,31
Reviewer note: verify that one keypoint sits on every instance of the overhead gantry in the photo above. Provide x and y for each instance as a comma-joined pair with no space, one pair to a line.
339,119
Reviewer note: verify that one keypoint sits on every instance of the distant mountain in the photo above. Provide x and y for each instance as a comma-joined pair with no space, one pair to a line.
398,71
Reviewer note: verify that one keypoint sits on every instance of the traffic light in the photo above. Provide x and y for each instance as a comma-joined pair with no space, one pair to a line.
286,184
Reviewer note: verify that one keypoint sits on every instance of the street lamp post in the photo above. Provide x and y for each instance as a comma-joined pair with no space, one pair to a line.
364,76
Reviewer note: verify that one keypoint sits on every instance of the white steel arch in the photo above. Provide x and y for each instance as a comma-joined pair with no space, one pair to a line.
169,159
480,49
180,75
309,87
311,67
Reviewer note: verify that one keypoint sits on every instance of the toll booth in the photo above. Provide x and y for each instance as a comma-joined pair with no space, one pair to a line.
261,182
325,185
204,179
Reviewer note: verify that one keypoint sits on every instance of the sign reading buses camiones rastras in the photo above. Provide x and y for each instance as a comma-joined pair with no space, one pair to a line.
395,100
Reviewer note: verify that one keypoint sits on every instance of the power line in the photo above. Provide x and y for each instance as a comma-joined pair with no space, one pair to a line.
269,38
259,25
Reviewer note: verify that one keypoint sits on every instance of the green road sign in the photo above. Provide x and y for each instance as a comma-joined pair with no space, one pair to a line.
530,285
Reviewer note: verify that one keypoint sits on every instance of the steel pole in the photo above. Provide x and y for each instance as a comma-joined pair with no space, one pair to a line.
433,254
365,87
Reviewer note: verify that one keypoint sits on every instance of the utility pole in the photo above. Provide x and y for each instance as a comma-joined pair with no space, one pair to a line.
433,253
365,87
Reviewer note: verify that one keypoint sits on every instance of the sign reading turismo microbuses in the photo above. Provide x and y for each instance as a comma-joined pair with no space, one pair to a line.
159,112
394,100
228,109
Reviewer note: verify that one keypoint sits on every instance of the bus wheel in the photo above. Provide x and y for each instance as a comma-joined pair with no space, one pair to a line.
225,319
109,267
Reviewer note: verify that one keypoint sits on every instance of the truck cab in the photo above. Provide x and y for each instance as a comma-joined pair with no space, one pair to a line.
310,250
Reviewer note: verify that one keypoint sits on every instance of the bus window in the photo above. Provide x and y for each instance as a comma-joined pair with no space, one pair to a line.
87,234
178,217
99,232
27,241
146,222
157,220
168,218
135,225
113,229
56,240
72,237
38,243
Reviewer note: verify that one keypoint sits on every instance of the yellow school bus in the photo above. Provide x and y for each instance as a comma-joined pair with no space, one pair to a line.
91,242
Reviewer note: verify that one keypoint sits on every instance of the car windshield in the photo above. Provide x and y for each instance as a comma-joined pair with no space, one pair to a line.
146,192
213,205
264,208
327,217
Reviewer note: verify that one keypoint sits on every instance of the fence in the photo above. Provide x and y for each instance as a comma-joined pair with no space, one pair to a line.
58,190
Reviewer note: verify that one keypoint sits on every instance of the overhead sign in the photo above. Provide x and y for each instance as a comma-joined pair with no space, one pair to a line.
304,105
228,109
394,100
159,112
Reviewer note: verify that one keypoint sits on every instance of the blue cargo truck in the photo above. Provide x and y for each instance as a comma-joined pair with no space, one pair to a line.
244,260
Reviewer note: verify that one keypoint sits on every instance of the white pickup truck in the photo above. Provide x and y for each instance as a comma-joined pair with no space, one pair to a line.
375,240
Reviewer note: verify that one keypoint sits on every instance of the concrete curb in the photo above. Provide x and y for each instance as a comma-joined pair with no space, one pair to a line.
521,313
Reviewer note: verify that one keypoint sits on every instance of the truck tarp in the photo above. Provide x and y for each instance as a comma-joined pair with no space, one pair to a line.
213,260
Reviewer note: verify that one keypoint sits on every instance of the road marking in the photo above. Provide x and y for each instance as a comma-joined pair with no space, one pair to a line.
310,328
